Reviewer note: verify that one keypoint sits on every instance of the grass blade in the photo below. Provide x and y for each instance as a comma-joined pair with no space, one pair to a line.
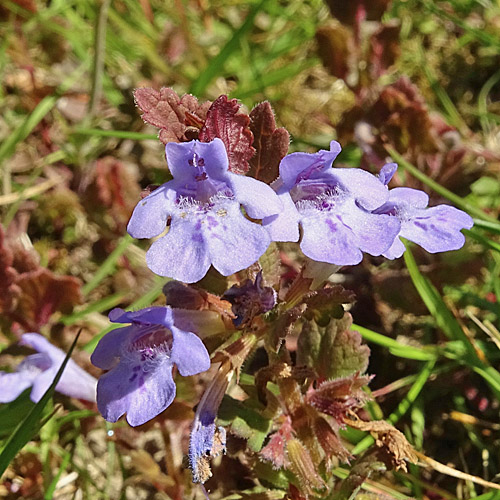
395,347
108,266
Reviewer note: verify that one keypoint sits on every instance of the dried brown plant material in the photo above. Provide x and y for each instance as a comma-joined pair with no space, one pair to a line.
399,450
270,143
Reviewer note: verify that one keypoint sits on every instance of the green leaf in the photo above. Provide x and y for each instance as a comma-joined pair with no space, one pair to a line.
245,422
33,421
333,351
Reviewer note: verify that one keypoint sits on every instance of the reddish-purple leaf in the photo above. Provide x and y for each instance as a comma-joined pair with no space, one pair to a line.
385,48
114,190
340,396
274,451
43,293
178,118
336,49
348,12
270,143
29,294
224,121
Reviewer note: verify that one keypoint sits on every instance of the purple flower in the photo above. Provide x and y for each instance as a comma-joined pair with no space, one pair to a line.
140,358
436,229
334,208
203,206
39,371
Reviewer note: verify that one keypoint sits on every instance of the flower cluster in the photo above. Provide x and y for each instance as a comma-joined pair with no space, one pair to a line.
341,213
209,216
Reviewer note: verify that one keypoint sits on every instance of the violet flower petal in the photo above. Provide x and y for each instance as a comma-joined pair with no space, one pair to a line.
285,225
182,253
189,353
258,199
387,172
437,229
404,197
360,185
107,352
139,390
233,241
74,382
297,166
180,159
396,250
141,357
14,384
153,315
150,215
327,239
375,233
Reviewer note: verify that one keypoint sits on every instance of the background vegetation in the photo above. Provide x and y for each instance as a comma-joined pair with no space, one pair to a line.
415,80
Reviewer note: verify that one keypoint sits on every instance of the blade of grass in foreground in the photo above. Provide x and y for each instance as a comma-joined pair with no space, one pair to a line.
29,426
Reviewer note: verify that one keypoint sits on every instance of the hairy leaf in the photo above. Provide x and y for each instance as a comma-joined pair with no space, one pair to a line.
225,122
178,118
303,467
244,422
330,441
30,294
327,303
274,451
339,396
333,351
270,143
114,191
